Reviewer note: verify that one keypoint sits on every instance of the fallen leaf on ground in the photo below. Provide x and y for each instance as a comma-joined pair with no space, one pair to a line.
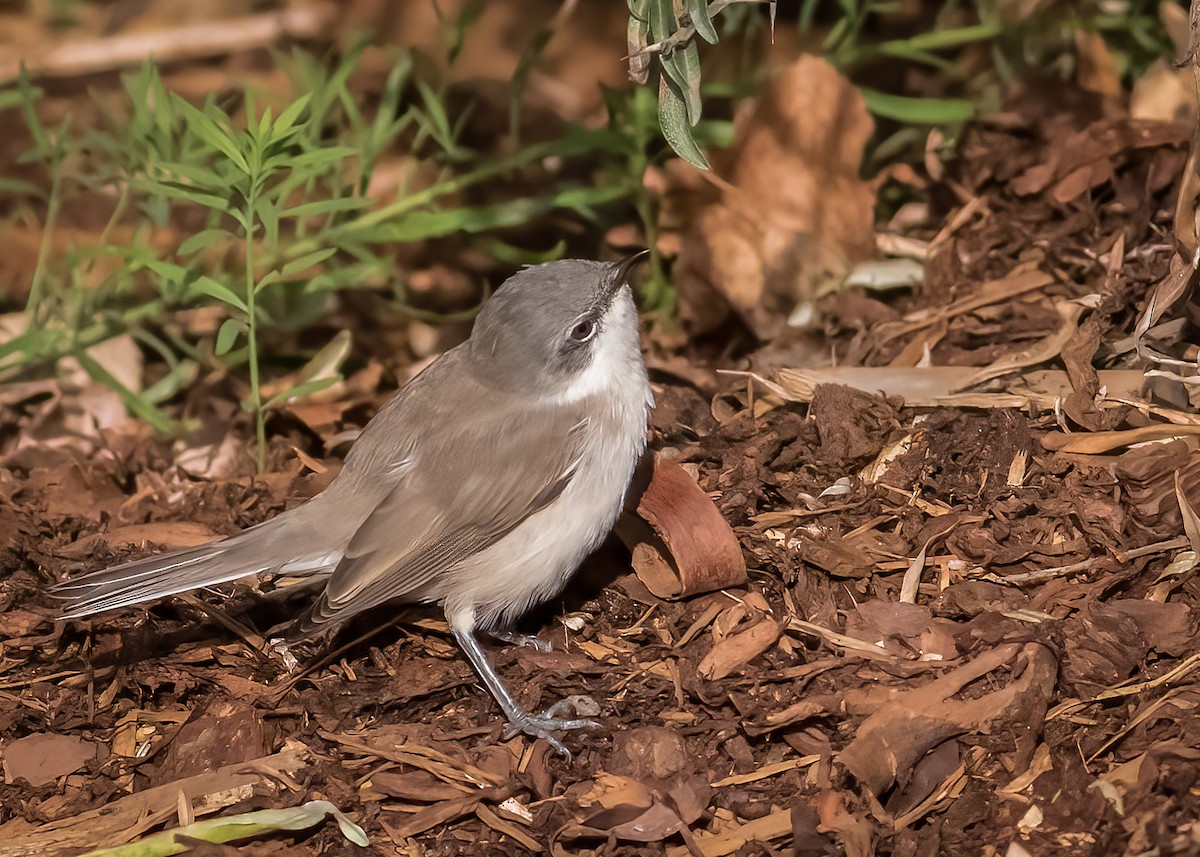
795,212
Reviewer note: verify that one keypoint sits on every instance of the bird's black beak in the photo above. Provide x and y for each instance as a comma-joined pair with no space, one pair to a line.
626,265
622,270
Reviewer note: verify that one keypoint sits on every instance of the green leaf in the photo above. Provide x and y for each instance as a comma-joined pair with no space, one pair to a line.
10,98
672,117
204,178
180,376
208,286
17,186
300,391
510,254
702,20
661,14
307,261
385,127
264,124
681,65
30,344
287,119
322,157
233,827
184,193
687,60
918,111
207,129
133,402
230,329
268,214
203,239
166,270
269,278
325,206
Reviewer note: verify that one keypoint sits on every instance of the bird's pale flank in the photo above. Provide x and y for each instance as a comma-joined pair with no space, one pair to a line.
481,485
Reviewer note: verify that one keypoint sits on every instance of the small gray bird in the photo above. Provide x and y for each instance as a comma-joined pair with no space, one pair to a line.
481,485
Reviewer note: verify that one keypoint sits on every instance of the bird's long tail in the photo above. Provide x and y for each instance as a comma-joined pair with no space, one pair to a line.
270,547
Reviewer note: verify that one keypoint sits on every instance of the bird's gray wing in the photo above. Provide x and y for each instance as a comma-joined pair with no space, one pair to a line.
468,486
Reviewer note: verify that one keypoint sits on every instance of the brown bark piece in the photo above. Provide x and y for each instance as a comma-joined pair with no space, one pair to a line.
691,548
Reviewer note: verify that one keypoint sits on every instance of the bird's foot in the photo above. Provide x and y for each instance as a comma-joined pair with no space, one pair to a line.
542,725
527,641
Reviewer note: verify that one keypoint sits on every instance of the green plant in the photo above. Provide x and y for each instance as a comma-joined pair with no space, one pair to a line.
662,39
286,219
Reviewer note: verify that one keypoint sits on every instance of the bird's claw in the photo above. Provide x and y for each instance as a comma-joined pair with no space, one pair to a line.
542,725
525,641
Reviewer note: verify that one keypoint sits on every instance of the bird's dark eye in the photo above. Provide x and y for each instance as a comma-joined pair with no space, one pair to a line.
583,331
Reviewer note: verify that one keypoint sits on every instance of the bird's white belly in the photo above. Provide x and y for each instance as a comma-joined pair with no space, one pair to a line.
534,561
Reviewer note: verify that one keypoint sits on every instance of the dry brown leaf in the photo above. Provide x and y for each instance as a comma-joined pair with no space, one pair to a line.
1044,349
794,211
656,789
1016,283
774,826
1191,521
1097,69
933,386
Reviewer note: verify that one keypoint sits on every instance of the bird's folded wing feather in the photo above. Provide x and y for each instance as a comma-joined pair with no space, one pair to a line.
467,487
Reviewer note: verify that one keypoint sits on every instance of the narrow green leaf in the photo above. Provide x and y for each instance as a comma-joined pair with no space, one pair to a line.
687,61
325,206
208,130
272,276
208,286
182,192
180,376
244,826
383,126
203,239
918,111
264,124
10,98
17,186
166,270
307,261
673,118
287,119
702,20
268,214
202,177
661,14
227,336
132,401
31,344
510,254
322,157
301,390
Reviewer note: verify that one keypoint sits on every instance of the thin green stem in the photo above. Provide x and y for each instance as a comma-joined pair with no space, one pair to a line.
260,423
37,283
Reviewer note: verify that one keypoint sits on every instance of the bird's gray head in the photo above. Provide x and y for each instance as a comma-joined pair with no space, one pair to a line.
559,328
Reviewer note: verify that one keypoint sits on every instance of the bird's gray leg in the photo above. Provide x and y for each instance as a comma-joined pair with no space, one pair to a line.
534,725
529,641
